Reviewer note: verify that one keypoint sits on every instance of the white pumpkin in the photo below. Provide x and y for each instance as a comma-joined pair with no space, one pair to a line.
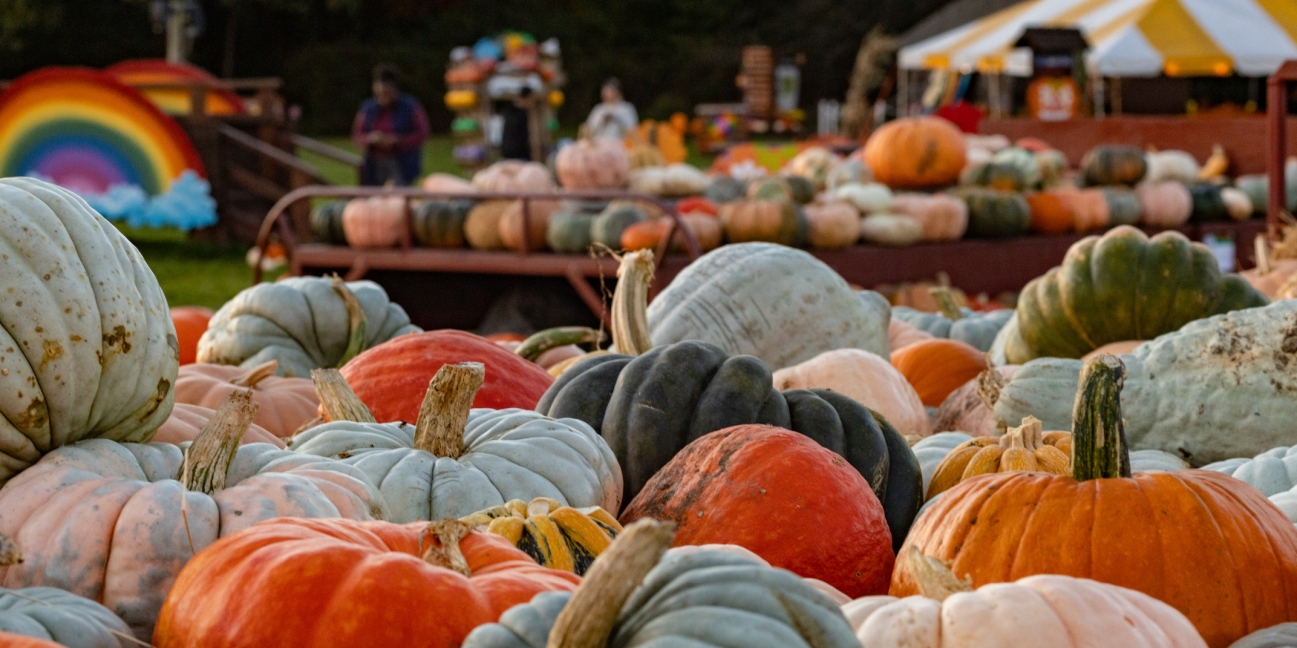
891,229
869,198
671,181
1237,203
1271,472
853,170
1156,461
1171,165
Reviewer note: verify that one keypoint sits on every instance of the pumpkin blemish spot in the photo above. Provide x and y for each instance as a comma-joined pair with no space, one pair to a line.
53,351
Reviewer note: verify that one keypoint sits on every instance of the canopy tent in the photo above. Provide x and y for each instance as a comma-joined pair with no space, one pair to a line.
1127,37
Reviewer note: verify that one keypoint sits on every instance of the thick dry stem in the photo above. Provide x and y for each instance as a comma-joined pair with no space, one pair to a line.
448,533
444,412
9,554
934,578
256,374
207,461
1098,433
588,619
358,322
630,331
1029,435
539,343
337,399
946,303
989,384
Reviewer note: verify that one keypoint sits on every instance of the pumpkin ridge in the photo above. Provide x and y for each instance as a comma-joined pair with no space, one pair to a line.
1070,313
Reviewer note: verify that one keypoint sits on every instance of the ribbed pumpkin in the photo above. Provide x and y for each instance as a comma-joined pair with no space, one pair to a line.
187,422
890,229
482,225
1208,206
1113,164
284,404
1124,207
326,222
832,225
943,217
996,214
901,333
1164,204
393,377
317,583
555,536
568,232
1123,286
1283,635
774,492
514,175
771,188
606,229
865,378
593,164
964,410
191,323
374,222
937,367
1003,176
439,223
1025,448
764,220
538,215
1207,544
916,152
49,617
977,329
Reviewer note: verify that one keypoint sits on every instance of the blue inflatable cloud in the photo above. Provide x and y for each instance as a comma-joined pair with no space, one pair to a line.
187,205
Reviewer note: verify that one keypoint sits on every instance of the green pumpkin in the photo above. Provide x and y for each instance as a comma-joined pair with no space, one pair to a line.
1208,206
1124,207
1113,164
1023,161
1123,286
607,227
1257,187
994,175
569,232
973,328
725,189
777,188
54,615
440,223
650,407
802,189
995,214
326,222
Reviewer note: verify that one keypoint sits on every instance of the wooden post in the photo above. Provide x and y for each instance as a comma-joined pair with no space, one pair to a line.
1276,116
300,211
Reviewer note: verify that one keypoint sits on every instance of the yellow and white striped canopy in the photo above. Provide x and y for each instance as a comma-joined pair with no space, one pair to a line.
1127,37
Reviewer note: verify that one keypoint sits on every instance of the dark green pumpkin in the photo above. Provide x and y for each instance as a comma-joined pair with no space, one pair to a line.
776,188
650,407
803,190
440,223
994,175
1124,207
607,227
326,223
1123,286
725,189
1113,164
1208,206
569,232
995,214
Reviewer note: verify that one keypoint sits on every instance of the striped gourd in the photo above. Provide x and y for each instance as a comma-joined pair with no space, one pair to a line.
556,536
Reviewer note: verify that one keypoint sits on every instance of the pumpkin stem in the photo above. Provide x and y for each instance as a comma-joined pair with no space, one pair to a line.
449,532
358,321
1029,435
588,619
946,303
256,375
934,577
1262,254
9,553
208,458
543,341
989,384
1098,433
444,412
630,331
337,399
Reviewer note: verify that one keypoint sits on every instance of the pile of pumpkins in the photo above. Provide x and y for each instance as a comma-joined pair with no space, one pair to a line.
764,456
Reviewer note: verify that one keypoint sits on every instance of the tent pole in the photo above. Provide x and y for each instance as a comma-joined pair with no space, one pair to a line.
1276,116
902,91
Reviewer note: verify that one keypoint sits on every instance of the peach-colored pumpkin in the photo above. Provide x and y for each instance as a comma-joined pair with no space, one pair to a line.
944,218
482,226
1281,271
1166,204
374,222
866,378
1114,348
283,404
1090,210
445,182
186,421
964,411
832,225
593,164
510,224
514,175
901,333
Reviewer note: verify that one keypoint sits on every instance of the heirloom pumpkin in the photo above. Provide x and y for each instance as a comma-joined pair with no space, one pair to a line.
942,217
446,182
900,333
669,181
765,220
606,229
1178,166
774,492
538,215
374,222
637,596
723,189
1123,205
1123,286
191,323
440,223
776,303
938,367
568,232
1090,210
514,175
868,198
326,223
302,322
1208,205
890,229
284,404
975,328
51,614
187,422
1165,205
965,410
1025,448
90,350
1055,611
814,164
1002,176
1202,542
593,164
288,582
454,462
1113,164
832,225
996,214
115,522
865,378
482,225
915,152
554,535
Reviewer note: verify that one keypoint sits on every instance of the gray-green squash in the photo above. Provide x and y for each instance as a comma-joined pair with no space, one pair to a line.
606,228
774,302
302,322
568,232
440,223
87,346
725,189
1271,472
974,328
1218,388
1283,635
326,222
55,615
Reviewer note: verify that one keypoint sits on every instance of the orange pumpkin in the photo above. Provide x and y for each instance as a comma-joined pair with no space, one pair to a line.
1090,210
1209,545
938,367
374,222
187,421
1051,212
774,492
334,582
283,404
645,235
191,323
593,164
771,221
510,224
916,152
9,640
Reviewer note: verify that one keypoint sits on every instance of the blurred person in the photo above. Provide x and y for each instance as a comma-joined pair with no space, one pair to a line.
515,136
391,128
613,117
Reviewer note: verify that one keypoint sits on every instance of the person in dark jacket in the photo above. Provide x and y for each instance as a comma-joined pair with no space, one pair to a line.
391,127
515,137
